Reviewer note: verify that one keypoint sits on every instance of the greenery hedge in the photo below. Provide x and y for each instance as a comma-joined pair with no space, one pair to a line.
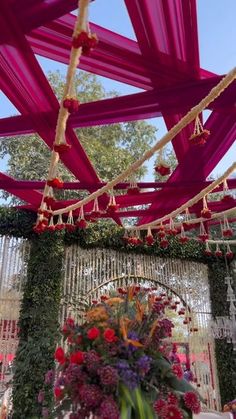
40,306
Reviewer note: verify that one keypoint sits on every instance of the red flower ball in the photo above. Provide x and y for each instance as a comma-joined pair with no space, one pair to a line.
81,223
164,243
55,183
171,412
59,355
77,357
93,333
163,170
183,239
199,138
149,240
159,405
71,104
61,148
110,335
133,190
206,213
218,253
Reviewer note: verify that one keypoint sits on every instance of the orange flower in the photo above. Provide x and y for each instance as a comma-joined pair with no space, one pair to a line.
154,326
114,301
140,311
131,292
97,314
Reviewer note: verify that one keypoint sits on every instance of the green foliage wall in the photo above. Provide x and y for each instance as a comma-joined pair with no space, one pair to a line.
39,311
38,325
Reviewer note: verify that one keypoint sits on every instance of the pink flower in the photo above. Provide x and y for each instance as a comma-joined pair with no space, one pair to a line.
171,412
177,370
191,401
159,405
172,399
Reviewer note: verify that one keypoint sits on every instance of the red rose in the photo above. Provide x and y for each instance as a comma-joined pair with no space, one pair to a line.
110,335
57,392
77,357
60,355
93,333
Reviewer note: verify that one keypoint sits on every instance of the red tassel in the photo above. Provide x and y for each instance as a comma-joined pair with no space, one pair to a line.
61,148
55,183
71,104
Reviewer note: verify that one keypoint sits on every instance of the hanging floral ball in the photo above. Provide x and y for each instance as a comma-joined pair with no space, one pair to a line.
163,170
208,252
59,226
206,213
149,240
183,239
49,200
133,190
71,104
188,225
161,234
173,231
55,183
70,227
228,232
164,243
81,223
112,208
199,138
203,237
46,213
229,254
61,148
85,41
218,253
228,199
39,227
51,228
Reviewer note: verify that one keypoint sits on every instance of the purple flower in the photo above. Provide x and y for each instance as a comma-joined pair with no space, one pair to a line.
188,375
40,396
49,377
128,376
144,363
132,336
166,326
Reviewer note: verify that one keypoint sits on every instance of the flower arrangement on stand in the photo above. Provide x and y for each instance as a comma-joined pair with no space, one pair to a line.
117,364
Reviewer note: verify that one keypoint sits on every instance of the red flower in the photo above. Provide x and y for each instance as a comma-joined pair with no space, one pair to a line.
111,208
162,169
149,240
110,335
61,148
172,398
177,370
55,183
229,255
159,405
77,357
57,392
208,252
49,200
206,213
199,138
59,355
164,243
93,333
227,232
183,239
191,401
218,253
70,227
81,223
133,190
85,41
104,297
229,199
71,104
171,412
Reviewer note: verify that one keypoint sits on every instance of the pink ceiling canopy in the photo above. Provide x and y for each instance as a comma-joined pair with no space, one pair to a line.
164,62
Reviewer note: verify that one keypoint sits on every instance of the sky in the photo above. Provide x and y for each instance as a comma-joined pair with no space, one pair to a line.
217,36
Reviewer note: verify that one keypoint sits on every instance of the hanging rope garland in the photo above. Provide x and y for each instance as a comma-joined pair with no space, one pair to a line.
191,115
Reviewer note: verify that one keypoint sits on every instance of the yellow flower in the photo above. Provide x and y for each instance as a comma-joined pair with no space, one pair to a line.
97,314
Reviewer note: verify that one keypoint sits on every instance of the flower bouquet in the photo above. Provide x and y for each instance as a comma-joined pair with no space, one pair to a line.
117,365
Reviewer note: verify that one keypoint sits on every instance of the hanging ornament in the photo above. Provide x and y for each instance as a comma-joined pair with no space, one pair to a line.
205,212
96,211
51,226
41,224
207,250
59,225
81,222
171,228
49,198
86,41
183,238
133,188
135,239
149,239
71,104
187,220
162,167
70,226
218,252
229,254
226,229
112,205
55,183
227,197
164,243
203,235
200,135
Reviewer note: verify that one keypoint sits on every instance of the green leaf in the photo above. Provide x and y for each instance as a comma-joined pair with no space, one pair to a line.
126,410
125,392
139,403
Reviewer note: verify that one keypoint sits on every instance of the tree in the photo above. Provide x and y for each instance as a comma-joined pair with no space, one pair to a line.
111,148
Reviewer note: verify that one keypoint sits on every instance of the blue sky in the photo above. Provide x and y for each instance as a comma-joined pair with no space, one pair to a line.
217,35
